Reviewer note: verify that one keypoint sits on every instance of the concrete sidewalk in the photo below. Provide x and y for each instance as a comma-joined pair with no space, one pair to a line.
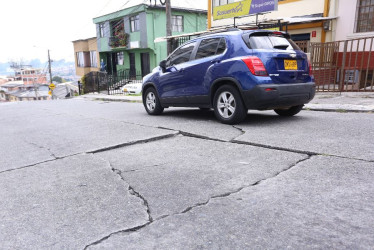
334,102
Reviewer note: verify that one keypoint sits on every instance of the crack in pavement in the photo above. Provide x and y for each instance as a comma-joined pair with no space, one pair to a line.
157,138
132,191
38,163
246,186
234,141
129,230
42,147
240,130
131,143
220,140
135,229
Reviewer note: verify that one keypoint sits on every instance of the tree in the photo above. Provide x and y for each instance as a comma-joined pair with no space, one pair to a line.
58,79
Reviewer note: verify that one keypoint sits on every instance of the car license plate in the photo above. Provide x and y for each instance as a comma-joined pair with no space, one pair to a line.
290,64
125,90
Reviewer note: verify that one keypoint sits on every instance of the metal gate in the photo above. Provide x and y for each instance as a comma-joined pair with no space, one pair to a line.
102,82
343,65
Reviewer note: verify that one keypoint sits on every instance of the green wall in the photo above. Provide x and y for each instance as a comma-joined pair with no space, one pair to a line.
152,26
156,25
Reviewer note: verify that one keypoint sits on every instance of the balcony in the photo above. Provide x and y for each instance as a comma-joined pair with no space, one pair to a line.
119,40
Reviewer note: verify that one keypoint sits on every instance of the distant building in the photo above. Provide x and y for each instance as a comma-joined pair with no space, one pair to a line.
86,56
126,38
5,79
18,91
29,75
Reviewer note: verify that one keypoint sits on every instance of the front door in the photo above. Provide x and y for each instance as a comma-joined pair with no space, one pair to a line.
108,67
114,63
145,64
172,81
132,65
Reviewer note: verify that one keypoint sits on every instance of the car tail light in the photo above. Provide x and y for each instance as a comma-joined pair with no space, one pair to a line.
310,68
255,65
278,33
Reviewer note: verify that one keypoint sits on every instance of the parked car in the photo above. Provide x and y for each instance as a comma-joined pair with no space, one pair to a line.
132,88
232,72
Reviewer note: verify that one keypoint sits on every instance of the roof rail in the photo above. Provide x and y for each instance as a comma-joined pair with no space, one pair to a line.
233,29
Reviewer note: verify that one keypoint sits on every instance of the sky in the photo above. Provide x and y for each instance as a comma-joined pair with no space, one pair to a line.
30,28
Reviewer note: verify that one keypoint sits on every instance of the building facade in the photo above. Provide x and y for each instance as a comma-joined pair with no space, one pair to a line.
19,91
306,20
86,56
356,19
29,75
126,38
347,63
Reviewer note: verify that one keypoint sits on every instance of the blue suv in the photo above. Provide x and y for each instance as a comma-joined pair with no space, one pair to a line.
232,72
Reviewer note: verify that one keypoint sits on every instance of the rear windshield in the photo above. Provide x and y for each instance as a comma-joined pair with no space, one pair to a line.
269,41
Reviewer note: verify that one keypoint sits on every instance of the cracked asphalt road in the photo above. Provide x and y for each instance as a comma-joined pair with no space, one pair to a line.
77,174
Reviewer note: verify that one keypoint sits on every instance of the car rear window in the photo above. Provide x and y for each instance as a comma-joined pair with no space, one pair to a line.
269,41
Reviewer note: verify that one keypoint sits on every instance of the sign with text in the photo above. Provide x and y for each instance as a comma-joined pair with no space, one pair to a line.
242,8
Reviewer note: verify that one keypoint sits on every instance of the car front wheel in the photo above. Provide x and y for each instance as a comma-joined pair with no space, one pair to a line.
290,111
228,105
152,102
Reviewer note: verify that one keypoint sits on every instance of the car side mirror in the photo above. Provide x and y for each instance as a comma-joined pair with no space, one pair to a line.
163,65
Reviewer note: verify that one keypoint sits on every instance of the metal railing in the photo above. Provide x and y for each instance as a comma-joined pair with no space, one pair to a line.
101,82
343,65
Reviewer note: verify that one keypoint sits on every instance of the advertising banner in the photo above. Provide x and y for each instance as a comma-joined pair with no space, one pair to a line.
247,7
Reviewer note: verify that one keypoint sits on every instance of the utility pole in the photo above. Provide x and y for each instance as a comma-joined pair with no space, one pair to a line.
168,25
50,73
49,66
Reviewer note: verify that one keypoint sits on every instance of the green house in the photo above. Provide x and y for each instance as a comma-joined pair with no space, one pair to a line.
126,39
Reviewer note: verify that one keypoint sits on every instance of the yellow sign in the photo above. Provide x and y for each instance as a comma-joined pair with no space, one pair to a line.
242,8
52,86
50,92
232,10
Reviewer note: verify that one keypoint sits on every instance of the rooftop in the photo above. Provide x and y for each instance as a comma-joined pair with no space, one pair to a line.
140,8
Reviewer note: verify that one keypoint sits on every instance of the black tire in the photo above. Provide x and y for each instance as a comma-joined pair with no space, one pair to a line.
289,112
228,105
151,102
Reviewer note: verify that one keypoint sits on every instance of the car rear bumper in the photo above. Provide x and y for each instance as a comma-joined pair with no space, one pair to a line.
272,96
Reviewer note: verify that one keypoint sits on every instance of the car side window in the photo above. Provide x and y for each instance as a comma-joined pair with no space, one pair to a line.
181,55
221,47
207,47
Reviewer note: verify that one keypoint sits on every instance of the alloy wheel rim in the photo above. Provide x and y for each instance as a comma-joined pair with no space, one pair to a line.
226,105
151,101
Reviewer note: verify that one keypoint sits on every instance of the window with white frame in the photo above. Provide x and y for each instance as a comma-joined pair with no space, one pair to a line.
365,16
134,23
120,57
80,59
102,29
177,23
93,59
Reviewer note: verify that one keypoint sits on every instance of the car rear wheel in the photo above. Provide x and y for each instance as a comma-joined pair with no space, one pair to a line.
152,102
228,105
290,111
